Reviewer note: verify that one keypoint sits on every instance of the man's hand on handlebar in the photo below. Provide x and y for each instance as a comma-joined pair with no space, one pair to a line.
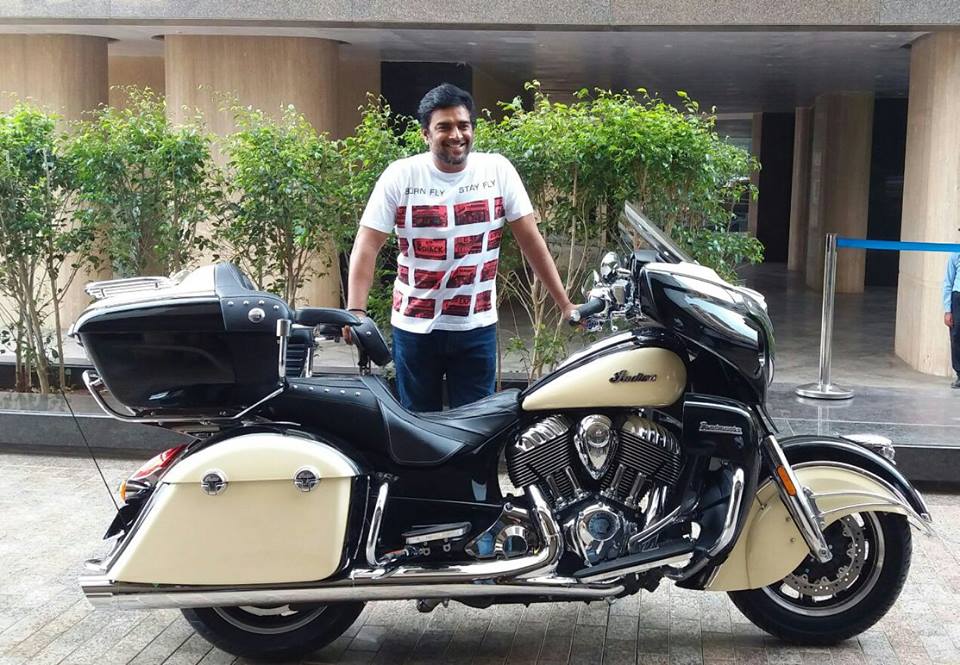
347,333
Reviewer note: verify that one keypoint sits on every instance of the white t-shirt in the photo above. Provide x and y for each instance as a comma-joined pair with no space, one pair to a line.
448,226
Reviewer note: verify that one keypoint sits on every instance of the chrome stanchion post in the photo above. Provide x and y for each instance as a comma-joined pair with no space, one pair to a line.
824,389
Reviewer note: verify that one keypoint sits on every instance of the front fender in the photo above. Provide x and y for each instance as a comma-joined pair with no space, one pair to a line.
770,546
807,448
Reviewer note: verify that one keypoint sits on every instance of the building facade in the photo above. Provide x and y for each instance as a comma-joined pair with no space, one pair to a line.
851,106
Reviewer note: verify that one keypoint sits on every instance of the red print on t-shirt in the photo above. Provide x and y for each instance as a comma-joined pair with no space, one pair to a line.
483,302
403,274
498,209
401,218
430,248
462,276
421,308
489,270
493,238
404,246
397,300
474,212
428,279
457,306
429,216
463,245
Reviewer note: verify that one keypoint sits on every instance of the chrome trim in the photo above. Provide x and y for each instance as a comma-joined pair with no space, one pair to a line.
677,559
104,593
801,507
654,528
283,340
921,521
596,455
374,534
308,481
214,482
544,431
109,287
733,512
543,562
96,386
457,532
876,443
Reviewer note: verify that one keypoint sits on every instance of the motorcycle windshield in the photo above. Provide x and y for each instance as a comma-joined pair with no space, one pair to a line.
637,231
723,319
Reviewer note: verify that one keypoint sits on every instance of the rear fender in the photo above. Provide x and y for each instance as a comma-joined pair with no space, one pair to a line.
771,547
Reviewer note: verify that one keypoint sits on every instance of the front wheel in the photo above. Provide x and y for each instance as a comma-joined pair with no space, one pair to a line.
825,603
278,632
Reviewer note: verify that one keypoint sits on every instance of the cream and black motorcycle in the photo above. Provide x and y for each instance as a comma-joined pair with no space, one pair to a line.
648,455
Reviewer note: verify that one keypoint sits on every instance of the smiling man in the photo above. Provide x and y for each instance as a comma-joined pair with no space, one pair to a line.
448,207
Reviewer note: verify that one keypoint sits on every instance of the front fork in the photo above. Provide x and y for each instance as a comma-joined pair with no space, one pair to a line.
798,500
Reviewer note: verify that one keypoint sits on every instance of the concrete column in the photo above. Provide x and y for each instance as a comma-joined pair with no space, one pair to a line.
359,76
839,184
66,74
268,73
139,71
931,199
800,188
755,140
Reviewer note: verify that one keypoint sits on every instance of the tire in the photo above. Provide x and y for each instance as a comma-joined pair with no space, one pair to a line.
272,633
821,609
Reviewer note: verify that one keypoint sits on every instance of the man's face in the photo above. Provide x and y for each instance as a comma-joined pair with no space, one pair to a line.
450,136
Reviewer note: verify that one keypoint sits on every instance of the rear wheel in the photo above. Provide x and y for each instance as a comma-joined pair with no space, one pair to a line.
278,632
821,603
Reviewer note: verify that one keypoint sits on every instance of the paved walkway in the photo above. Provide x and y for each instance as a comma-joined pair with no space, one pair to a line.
54,509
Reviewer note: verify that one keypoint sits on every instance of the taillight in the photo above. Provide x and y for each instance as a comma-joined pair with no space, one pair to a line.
145,477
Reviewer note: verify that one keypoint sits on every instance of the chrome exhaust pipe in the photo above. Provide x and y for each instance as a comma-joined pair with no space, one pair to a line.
102,593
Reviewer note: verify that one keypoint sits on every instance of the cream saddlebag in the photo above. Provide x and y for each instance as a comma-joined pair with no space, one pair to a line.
255,509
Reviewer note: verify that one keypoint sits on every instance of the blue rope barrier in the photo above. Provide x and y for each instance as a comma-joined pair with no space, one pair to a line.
896,245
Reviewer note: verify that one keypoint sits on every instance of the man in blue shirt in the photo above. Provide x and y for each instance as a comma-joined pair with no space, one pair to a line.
951,311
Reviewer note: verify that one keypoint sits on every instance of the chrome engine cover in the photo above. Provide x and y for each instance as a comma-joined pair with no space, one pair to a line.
597,532
596,442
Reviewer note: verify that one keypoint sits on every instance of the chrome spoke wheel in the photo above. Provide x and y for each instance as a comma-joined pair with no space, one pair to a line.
818,589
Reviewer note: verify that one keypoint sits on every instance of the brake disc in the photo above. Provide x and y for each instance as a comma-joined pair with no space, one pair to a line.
849,556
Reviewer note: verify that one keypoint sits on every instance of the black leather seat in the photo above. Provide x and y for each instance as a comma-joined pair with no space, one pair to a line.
365,411
433,438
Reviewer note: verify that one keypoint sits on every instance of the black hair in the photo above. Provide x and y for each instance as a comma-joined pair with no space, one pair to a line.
445,96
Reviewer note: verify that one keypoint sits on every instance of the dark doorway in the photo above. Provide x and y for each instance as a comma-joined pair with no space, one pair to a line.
776,182
403,84
886,188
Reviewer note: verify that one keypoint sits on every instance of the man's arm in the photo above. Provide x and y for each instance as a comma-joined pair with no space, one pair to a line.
363,260
948,281
534,248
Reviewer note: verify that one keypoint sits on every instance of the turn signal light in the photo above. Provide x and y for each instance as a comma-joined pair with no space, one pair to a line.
785,479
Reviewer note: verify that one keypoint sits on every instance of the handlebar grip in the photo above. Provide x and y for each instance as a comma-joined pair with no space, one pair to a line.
589,308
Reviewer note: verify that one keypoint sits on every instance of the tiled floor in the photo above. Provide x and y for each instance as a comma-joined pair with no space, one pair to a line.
54,509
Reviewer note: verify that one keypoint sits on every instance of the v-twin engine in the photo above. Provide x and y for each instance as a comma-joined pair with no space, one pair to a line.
606,478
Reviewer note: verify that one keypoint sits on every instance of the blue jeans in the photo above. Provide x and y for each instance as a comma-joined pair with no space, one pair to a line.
467,357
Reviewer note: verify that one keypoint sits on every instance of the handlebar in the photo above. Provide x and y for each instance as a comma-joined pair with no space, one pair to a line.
589,308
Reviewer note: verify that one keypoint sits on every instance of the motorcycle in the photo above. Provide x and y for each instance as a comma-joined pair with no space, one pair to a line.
648,455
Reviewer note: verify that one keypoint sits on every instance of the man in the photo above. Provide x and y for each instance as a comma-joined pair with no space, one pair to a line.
448,207
951,312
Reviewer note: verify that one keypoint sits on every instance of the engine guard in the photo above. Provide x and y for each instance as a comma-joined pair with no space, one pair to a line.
770,546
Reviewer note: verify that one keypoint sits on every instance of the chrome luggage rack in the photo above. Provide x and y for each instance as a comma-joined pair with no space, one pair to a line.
97,388
112,287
